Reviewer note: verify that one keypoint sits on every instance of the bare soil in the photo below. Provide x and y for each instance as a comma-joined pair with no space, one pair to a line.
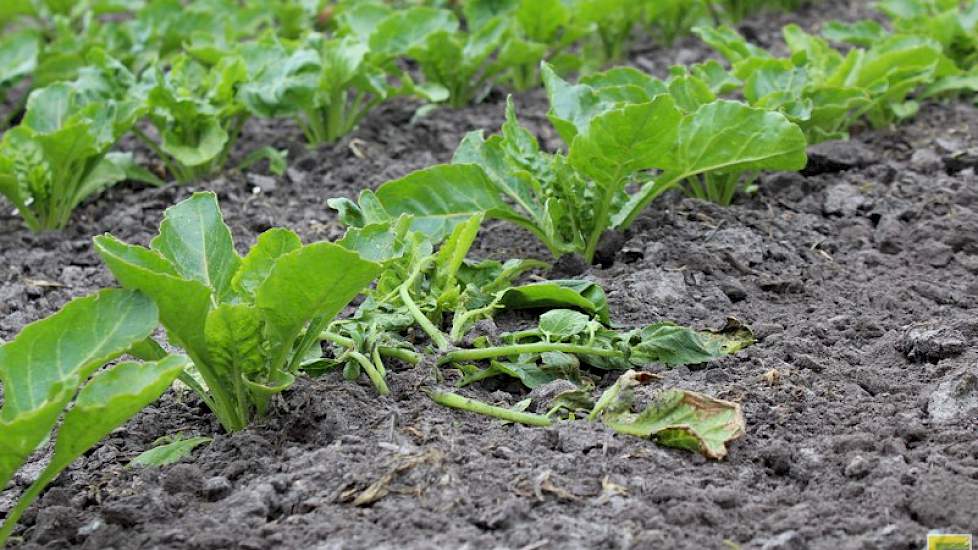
859,277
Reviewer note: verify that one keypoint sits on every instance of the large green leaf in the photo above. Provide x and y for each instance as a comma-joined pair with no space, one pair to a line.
110,399
43,366
18,54
48,108
723,137
405,29
584,295
318,280
623,141
727,136
194,238
256,266
443,196
183,303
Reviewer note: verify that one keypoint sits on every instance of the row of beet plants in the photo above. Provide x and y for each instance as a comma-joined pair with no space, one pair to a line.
184,80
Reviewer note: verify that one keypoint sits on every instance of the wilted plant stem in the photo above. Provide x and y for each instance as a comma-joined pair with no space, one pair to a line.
456,401
517,349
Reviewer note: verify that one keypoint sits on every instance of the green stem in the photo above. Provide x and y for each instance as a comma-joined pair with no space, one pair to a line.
400,354
456,401
419,317
378,381
462,321
175,170
518,349
437,336
24,502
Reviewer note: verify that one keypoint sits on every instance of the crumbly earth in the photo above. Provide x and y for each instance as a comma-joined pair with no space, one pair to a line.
859,278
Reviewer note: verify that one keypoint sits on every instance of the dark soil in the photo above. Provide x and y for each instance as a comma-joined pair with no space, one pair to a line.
859,277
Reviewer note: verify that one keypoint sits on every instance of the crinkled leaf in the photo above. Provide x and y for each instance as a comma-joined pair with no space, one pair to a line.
684,419
621,142
234,334
379,242
727,136
673,344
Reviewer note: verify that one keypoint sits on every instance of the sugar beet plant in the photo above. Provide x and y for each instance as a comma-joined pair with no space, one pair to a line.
826,91
59,154
51,372
624,129
248,323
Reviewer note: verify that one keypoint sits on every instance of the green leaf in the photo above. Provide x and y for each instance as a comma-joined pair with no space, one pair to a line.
727,136
42,367
169,453
571,106
194,238
563,323
405,29
235,343
18,55
529,374
183,303
621,142
108,401
453,252
379,242
584,295
863,33
729,44
256,266
263,389
441,197
317,280
205,144
686,420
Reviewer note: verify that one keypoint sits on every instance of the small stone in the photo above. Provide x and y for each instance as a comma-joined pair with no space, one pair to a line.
764,330
182,478
262,183
858,467
926,161
789,540
216,488
837,156
956,397
927,342
843,200
734,290
297,177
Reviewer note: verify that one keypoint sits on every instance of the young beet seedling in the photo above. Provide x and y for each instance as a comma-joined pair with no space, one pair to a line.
247,323
59,154
50,371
